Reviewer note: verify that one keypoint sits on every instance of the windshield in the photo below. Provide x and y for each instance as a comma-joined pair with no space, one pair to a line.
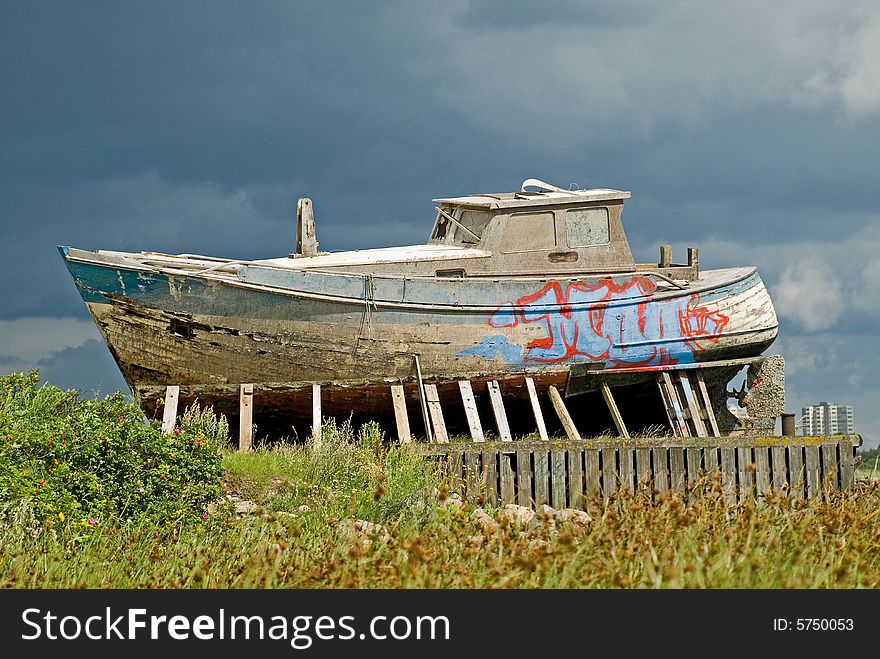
460,225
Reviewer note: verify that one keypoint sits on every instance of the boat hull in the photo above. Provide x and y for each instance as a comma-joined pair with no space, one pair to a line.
284,331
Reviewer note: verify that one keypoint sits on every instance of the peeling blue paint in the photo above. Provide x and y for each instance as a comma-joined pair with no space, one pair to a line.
493,347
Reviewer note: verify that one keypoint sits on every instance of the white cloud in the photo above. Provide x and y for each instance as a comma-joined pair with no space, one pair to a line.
809,292
551,81
852,73
28,340
817,284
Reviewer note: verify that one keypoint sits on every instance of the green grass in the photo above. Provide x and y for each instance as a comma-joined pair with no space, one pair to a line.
302,533
631,543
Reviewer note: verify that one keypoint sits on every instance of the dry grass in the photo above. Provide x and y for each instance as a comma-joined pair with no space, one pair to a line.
631,542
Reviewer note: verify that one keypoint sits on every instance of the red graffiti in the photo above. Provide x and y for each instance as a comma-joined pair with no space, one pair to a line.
615,321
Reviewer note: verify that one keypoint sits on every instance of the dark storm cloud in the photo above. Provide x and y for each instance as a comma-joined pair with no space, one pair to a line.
194,126
88,368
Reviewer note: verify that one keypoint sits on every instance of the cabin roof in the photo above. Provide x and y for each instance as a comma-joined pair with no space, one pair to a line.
546,195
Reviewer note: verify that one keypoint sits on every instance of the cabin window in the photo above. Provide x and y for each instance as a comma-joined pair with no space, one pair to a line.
587,227
441,227
529,232
474,220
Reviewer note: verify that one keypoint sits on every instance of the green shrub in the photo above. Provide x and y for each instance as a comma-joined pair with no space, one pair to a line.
88,462
347,474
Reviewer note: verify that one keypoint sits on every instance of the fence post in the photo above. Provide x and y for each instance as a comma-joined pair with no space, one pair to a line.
246,418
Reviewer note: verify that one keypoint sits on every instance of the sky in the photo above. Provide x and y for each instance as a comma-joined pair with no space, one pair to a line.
748,129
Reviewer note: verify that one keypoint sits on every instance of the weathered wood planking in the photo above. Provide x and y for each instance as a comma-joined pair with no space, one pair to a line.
562,413
830,468
490,469
745,469
432,400
470,410
644,476
246,418
536,410
710,413
673,405
169,413
710,461
676,469
728,474
609,472
591,472
671,415
762,470
401,418
422,402
693,459
456,463
625,467
472,473
506,475
796,476
572,474
779,469
542,476
498,411
557,479
692,404
524,478
659,459
316,413
612,407
811,469
846,464
575,479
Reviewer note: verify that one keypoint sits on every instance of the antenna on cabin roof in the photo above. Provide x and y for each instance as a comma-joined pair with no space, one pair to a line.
538,183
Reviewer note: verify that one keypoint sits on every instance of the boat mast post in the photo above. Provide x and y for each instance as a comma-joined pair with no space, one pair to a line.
306,244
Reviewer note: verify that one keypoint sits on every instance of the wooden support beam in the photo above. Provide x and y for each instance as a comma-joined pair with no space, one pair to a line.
432,399
498,411
425,418
710,413
169,414
470,410
536,410
246,418
316,413
563,414
673,406
612,407
401,418
692,404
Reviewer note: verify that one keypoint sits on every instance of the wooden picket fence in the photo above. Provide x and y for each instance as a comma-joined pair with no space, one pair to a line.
566,474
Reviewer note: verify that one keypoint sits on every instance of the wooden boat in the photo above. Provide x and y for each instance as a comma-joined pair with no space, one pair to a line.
510,284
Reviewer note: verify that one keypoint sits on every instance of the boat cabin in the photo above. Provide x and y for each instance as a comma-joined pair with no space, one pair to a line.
541,230
545,230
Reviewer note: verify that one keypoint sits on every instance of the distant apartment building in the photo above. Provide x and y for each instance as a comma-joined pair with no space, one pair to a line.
826,419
